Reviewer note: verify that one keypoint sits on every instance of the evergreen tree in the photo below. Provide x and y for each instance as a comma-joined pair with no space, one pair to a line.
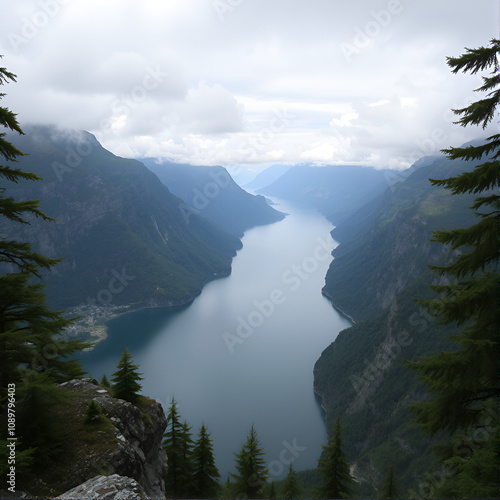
334,468
460,382
126,378
291,487
37,416
30,334
33,353
104,381
14,252
272,491
172,444
93,412
205,473
186,467
251,471
390,489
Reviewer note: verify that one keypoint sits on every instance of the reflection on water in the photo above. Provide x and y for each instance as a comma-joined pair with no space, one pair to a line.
243,352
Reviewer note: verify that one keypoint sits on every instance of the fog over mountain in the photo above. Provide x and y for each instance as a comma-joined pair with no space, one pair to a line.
247,83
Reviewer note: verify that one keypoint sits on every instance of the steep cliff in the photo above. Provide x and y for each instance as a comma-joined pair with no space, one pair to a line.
124,441
380,266
212,193
120,231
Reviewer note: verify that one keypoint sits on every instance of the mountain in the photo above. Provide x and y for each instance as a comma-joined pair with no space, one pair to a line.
336,191
212,193
266,177
120,231
379,267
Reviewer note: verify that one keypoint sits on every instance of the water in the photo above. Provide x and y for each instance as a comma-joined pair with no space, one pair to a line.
243,352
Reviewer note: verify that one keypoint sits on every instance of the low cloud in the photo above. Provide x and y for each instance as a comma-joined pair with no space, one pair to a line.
179,80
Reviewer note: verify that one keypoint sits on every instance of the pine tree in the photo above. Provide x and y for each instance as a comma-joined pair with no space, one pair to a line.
93,412
251,471
205,473
291,487
30,334
186,466
172,444
459,383
390,489
334,468
104,381
14,252
227,489
272,491
37,416
126,379
33,353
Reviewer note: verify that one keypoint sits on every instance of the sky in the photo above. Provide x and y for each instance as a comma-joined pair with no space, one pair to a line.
248,83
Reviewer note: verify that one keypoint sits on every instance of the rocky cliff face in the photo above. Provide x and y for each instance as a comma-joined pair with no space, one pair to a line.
379,268
127,443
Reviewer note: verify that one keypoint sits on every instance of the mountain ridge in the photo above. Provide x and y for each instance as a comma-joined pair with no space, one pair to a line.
119,230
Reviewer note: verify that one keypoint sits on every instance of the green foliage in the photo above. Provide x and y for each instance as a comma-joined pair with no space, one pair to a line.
461,381
290,487
173,446
126,378
23,459
272,491
205,473
104,381
34,355
185,486
93,412
251,472
390,488
37,416
334,468
15,252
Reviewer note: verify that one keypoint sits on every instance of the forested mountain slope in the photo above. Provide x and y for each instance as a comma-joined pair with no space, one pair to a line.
380,266
213,194
337,191
119,230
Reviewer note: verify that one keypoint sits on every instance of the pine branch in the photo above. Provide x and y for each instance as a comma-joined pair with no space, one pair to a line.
483,178
475,60
475,152
480,112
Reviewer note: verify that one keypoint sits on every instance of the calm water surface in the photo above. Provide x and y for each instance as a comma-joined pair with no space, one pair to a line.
243,352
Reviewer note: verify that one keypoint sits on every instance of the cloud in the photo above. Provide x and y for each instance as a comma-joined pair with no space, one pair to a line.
181,79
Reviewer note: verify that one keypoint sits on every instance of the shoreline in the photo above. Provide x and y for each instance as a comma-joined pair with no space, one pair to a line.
330,298
92,324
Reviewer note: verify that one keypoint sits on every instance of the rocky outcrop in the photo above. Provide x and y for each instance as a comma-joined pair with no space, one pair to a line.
107,488
128,441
